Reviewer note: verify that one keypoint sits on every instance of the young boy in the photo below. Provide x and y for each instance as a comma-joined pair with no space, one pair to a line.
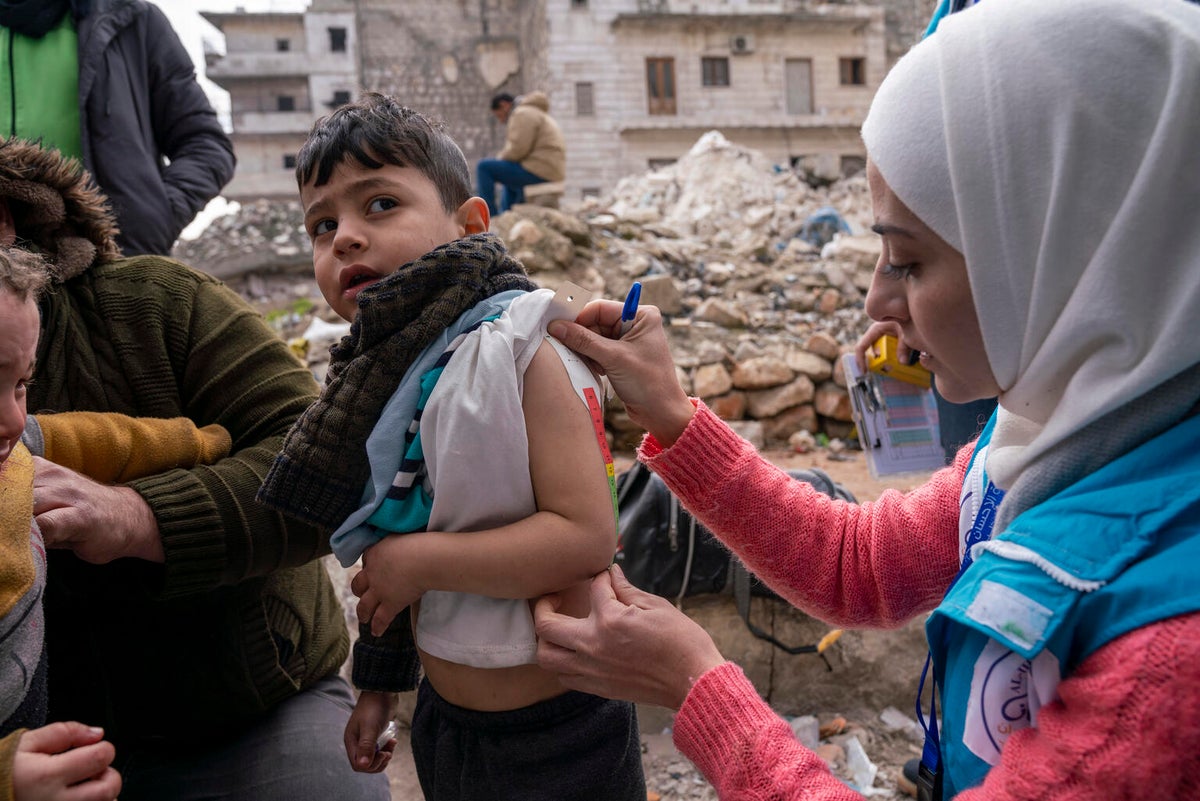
62,759
471,431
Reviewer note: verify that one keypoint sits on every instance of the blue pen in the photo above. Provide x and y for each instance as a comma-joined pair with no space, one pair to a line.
630,309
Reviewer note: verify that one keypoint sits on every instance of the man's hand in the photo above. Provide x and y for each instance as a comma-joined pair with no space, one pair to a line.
634,646
385,585
99,523
64,762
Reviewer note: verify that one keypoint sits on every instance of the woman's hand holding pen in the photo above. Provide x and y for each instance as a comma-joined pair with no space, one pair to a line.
639,364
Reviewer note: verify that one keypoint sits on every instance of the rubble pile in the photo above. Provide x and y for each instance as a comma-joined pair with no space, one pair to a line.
266,236
758,309
757,313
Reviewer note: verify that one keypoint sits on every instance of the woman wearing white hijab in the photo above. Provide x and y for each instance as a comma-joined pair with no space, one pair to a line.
1035,173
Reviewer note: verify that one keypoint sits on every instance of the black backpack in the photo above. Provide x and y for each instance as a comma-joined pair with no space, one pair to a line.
664,551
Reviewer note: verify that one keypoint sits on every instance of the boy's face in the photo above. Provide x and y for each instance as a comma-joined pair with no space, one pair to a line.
18,347
367,223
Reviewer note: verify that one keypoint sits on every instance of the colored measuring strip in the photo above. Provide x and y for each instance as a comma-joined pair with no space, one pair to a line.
597,413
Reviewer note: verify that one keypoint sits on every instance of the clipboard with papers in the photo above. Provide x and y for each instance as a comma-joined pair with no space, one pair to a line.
897,422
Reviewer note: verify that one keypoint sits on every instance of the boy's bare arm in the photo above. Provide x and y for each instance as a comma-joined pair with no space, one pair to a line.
569,539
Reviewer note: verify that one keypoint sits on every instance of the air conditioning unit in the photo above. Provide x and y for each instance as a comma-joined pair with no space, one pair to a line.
741,44
652,6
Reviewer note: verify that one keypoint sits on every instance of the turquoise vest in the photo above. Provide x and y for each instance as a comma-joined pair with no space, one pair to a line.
1116,551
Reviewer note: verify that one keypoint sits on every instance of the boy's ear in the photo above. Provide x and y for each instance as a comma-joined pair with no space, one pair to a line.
473,216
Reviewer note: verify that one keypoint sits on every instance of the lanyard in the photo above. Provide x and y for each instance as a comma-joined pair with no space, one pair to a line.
930,772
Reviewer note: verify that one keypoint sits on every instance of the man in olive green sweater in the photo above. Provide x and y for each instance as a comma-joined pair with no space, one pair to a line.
195,626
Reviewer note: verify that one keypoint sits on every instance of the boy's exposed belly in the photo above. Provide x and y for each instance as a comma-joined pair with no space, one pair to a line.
500,689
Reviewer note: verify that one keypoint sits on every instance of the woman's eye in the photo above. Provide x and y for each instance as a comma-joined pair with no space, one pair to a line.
382,204
323,227
897,271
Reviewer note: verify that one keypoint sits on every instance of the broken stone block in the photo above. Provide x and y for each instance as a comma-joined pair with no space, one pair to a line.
663,292
729,407
809,364
783,426
722,312
761,372
833,401
765,403
711,380
822,344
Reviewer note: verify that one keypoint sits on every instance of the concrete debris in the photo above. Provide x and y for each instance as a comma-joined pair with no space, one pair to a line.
895,720
860,767
265,236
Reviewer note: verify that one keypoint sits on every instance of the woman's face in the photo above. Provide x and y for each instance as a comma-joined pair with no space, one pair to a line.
921,284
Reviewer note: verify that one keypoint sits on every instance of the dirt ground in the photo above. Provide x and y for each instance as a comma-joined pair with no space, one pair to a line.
867,672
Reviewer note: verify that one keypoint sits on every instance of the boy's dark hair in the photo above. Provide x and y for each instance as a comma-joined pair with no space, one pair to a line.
22,273
503,97
376,130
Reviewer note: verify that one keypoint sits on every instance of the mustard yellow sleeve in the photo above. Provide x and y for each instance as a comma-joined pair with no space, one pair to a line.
111,447
17,568
8,755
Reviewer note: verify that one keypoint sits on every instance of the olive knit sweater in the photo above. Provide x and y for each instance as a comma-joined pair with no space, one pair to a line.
241,616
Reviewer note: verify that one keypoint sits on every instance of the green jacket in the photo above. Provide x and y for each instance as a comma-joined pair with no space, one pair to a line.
241,616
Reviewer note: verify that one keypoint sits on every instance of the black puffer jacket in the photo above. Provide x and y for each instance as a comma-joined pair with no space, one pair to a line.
138,103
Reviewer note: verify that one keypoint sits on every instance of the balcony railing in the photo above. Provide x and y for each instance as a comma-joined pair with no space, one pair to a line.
274,122
277,65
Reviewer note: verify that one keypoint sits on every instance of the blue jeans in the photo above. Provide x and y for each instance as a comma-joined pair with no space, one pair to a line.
295,751
510,175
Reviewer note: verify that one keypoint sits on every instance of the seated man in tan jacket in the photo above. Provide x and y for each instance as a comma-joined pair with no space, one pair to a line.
534,151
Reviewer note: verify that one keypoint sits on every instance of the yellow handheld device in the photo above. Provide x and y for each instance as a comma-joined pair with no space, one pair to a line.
886,361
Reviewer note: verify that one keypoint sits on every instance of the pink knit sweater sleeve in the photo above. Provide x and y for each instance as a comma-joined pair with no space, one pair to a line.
1126,725
870,565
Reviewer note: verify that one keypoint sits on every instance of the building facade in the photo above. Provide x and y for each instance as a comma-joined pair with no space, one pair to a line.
636,82
632,83
282,72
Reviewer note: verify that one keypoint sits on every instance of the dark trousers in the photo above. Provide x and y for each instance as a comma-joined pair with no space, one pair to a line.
574,747
295,752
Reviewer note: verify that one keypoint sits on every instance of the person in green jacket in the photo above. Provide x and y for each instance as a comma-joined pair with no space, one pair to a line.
108,82
195,626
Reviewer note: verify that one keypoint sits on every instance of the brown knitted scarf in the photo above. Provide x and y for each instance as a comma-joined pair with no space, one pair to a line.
322,470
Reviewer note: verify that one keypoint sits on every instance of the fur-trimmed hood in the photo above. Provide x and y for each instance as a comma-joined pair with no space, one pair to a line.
56,208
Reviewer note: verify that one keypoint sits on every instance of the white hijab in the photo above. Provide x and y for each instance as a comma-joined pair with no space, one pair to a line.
1056,144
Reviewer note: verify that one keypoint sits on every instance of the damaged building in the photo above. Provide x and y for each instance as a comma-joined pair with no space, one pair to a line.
632,83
